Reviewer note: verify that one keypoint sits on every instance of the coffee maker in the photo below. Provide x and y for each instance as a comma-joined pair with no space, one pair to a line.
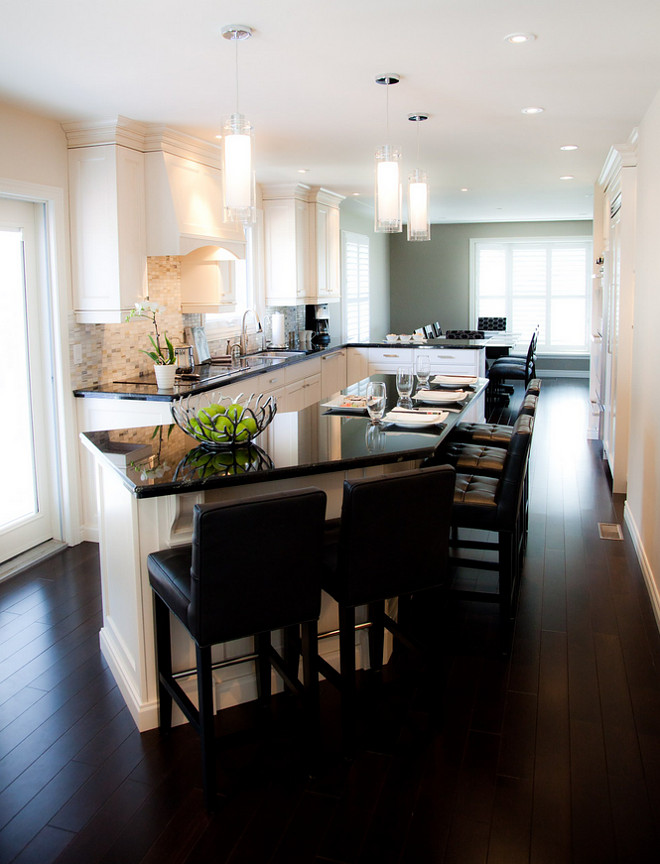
316,319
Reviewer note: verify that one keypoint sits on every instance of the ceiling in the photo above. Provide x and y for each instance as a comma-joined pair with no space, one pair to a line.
307,83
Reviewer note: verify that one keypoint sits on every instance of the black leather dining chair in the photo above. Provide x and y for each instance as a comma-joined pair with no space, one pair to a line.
437,329
512,369
464,334
373,561
246,573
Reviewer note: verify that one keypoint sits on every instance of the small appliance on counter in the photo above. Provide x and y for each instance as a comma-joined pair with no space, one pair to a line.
316,319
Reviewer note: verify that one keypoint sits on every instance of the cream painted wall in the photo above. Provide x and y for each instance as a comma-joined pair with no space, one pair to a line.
643,503
32,148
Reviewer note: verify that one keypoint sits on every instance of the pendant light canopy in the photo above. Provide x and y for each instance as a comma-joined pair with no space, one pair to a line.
238,149
419,226
388,219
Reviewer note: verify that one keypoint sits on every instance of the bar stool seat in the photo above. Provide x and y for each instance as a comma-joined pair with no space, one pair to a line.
227,586
374,561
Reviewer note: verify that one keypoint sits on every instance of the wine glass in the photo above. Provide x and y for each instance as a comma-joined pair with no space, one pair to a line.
376,400
404,385
423,370
375,437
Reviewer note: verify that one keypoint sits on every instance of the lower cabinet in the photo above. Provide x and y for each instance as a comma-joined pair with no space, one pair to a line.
333,372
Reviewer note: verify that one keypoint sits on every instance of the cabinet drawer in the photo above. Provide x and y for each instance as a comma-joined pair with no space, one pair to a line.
391,356
268,381
298,371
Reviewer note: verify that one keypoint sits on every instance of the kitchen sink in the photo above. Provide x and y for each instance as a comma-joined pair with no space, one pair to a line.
277,355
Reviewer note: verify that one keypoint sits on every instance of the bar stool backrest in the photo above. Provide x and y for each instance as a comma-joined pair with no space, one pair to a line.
464,334
510,487
254,564
386,524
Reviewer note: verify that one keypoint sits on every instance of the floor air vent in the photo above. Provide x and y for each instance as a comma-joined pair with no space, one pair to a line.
610,531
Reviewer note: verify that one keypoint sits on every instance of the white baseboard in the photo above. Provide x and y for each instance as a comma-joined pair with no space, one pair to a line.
650,580
562,373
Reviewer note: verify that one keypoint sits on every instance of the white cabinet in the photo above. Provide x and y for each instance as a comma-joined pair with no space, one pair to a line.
357,364
301,239
386,361
108,246
459,361
333,372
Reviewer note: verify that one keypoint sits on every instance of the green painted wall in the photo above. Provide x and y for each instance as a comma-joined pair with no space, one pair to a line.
430,281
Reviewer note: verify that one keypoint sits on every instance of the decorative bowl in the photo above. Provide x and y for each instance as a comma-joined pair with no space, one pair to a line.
392,337
405,337
226,421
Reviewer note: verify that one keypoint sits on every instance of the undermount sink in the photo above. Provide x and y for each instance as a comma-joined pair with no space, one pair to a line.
276,355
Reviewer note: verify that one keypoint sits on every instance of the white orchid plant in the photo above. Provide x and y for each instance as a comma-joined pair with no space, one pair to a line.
161,355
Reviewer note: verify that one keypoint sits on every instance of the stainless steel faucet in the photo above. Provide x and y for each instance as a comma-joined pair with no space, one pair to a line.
244,333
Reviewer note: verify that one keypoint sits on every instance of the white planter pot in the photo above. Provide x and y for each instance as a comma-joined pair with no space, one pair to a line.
165,376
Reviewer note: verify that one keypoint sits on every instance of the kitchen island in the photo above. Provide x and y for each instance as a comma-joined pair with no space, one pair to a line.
148,482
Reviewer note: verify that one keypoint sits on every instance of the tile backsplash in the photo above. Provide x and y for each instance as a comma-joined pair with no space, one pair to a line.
112,352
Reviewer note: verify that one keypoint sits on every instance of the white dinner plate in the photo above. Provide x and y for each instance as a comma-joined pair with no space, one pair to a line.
435,397
455,380
353,404
414,421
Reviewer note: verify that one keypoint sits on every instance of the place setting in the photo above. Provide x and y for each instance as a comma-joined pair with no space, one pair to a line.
404,415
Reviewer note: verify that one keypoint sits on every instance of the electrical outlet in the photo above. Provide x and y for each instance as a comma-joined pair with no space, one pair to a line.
77,354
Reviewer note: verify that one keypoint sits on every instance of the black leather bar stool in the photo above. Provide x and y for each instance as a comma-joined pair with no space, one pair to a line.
511,368
496,434
374,560
246,573
464,334
498,505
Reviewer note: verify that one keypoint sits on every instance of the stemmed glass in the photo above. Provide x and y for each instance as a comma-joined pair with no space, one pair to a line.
404,385
376,400
423,370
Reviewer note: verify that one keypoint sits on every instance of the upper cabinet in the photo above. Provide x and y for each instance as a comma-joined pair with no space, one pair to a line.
301,237
139,190
109,265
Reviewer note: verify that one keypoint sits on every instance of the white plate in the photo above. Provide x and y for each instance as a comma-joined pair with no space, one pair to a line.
414,421
455,380
353,404
434,397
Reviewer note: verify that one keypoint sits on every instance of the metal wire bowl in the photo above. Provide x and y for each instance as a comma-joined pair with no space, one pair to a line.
226,421
202,463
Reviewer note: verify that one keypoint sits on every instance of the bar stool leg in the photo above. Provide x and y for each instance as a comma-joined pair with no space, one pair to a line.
206,725
262,645
376,613
347,670
310,654
164,661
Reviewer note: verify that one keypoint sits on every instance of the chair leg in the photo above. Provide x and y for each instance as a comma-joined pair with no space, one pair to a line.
262,645
310,654
206,726
347,670
164,663
376,612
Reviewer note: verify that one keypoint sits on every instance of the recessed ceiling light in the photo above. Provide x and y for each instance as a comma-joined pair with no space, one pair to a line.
532,109
464,189
356,194
567,177
569,147
520,38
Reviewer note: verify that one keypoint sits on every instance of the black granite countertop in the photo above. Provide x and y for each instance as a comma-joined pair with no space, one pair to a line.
143,388
316,440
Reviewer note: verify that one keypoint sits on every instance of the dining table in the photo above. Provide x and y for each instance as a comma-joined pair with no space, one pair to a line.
150,479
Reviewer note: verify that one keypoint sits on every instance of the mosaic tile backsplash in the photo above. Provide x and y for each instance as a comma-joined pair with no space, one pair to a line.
111,352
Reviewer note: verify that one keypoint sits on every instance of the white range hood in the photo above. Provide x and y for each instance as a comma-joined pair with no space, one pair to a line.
184,196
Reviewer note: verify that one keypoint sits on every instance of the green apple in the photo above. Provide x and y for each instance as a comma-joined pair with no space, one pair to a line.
223,429
235,411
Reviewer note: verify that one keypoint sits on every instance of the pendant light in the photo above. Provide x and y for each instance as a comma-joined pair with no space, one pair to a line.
238,149
419,226
388,175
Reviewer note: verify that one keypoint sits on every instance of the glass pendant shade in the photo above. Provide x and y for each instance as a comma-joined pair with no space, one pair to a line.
419,227
238,174
388,196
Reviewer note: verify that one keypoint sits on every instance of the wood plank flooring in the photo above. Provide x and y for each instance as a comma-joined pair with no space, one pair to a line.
549,756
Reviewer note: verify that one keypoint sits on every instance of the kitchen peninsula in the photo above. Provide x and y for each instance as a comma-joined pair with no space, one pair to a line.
146,499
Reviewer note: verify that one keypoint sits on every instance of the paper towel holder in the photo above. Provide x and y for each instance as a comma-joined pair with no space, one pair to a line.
277,331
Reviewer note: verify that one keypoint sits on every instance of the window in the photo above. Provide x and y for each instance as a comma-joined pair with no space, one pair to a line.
355,286
544,282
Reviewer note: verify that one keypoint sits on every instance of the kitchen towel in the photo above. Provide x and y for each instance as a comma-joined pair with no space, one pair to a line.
278,330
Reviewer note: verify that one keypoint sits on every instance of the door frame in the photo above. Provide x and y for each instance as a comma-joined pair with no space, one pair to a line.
59,309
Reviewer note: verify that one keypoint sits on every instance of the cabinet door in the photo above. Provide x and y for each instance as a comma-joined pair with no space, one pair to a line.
357,364
333,372
109,263
327,253
286,239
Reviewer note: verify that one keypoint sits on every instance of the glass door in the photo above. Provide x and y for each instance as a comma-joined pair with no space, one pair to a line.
28,505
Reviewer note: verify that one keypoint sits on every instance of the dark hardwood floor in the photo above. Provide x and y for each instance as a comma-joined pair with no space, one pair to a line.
551,755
